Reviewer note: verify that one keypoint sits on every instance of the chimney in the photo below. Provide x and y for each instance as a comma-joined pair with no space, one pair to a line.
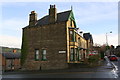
14,50
32,18
52,14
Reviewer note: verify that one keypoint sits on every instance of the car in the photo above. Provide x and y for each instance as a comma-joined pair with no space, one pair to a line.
113,58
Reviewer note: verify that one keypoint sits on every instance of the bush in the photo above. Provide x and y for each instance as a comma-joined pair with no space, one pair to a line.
118,54
93,59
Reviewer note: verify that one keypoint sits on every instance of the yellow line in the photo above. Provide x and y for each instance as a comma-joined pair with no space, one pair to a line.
68,72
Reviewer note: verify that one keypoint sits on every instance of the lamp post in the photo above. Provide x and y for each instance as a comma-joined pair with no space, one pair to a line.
107,38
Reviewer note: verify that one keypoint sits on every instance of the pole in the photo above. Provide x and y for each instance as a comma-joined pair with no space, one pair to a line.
106,40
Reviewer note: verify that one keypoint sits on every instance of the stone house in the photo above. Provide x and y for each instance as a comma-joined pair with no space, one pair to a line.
52,42
89,42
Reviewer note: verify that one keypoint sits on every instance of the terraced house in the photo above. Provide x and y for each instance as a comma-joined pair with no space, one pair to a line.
53,42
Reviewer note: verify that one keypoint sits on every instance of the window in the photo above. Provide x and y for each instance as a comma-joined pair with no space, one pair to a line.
71,54
36,54
76,54
79,42
72,35
44,54
71,22
71,32
79,56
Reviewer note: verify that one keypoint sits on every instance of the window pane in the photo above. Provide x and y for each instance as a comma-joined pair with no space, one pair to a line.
44,54
36,54
75,54
79,55
71,32
72,35
72,54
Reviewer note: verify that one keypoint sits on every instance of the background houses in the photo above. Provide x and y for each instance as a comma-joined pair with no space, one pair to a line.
10,59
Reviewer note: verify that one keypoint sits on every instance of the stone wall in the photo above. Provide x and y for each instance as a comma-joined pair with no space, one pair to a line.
50,37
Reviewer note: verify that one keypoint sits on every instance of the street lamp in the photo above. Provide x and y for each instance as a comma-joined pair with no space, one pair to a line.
107,38
107,47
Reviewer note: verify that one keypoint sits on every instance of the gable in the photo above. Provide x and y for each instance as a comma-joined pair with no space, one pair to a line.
71,18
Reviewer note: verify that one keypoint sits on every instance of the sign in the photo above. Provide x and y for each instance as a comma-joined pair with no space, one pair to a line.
62,51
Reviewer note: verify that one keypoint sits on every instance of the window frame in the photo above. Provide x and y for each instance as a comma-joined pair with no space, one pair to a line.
37,54
44,56
72,54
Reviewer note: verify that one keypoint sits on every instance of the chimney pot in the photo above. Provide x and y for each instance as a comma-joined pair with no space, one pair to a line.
14,50
32,12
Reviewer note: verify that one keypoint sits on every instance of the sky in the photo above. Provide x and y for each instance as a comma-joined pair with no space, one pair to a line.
98,18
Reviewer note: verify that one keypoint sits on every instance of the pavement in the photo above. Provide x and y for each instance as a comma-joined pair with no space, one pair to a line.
78,68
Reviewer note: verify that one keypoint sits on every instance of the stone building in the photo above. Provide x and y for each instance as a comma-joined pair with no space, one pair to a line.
10,61
52,42
89,40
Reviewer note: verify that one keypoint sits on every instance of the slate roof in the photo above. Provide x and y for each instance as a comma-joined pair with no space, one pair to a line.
88,36
11,55
61,17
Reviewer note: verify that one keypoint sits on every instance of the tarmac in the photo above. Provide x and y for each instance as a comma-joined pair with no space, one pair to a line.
78,68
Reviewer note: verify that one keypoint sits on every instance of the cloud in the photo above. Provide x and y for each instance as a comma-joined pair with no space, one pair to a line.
11,32
101,39
10,41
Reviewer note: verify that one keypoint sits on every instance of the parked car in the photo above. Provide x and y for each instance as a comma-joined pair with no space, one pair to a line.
113,58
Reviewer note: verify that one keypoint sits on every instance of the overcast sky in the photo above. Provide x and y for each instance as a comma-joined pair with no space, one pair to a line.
98,18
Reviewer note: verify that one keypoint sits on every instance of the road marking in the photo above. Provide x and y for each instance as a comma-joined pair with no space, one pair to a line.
115,70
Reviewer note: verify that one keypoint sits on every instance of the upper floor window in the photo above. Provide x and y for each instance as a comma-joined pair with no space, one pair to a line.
72,35
71,23
36,54
79,42
44,54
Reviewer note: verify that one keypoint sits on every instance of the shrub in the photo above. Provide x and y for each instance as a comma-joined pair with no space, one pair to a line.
93,59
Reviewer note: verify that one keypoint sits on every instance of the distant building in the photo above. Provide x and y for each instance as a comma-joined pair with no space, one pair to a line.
89,40
10,61
53,42
117,50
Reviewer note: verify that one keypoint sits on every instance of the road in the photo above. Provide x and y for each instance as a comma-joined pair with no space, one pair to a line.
100,72
116,70
64,75
0,72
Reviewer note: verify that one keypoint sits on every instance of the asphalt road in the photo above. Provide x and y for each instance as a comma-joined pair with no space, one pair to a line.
102,72
0,72
116,69
64,75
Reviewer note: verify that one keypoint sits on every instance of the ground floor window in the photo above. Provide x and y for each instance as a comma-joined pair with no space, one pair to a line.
75,54
36,54
44,54
71,54
79,57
